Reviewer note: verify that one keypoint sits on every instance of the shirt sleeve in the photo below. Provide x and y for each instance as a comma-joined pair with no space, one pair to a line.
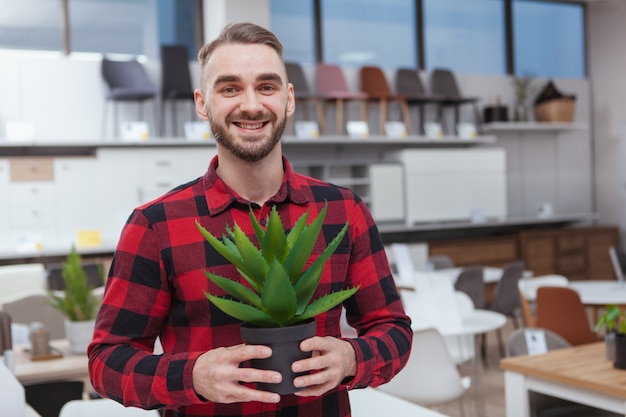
135,306
384,330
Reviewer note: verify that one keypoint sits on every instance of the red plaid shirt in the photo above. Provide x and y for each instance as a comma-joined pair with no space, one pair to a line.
156,288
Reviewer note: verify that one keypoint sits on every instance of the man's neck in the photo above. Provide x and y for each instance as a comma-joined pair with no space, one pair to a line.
256,181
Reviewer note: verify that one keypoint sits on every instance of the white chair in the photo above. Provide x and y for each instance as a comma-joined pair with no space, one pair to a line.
528,293
462,348
430,376
34,305
103,407
15,279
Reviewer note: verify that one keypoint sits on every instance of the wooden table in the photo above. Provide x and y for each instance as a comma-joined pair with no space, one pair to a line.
66,367
580,373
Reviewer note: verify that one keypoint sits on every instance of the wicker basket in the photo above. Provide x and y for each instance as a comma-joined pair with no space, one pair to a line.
557,110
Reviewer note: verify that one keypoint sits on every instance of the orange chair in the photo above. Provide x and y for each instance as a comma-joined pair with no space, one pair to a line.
332,86
560,309
374,84
303,95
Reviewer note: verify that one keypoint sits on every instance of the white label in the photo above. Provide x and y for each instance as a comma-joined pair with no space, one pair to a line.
358,129
307,129
535,341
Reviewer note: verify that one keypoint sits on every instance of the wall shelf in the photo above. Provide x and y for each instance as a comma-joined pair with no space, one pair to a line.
497,127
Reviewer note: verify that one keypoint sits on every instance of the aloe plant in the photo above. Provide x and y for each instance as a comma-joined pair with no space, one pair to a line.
280,289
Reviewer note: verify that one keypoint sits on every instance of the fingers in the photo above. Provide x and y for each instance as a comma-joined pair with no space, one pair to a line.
217,375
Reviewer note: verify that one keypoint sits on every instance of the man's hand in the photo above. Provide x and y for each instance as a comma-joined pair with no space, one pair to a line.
216,375
333,360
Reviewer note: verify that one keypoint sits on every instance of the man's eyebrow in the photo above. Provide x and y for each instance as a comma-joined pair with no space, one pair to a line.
229,78
269,76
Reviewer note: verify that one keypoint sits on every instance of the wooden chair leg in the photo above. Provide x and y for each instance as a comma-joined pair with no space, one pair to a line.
404,107
339,116
382,116
321,117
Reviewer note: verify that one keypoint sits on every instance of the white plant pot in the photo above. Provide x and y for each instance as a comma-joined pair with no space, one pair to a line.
79,334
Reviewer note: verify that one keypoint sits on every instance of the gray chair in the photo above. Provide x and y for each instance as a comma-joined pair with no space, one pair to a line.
175,83
409,84
125,81
544,405
35,306
471,282
443,84
304,95
441,261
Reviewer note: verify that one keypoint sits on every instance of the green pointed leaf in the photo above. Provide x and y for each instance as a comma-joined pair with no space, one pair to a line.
275,243
296,231
258,230
302,248
224,249
241,311
254,264
279,297
325,303
235,289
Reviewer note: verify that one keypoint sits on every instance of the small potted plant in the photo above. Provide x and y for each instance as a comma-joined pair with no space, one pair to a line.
77,302
277,300
614,322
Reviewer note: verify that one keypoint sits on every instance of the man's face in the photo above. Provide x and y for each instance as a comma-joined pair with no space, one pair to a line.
246,100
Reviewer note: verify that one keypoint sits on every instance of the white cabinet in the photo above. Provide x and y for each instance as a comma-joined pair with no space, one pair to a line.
453,184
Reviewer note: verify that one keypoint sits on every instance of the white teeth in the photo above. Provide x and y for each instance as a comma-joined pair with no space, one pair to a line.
251,126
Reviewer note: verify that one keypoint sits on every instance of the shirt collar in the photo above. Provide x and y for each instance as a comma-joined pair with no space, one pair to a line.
220,196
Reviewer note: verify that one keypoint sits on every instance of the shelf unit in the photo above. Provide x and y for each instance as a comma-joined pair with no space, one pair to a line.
500,127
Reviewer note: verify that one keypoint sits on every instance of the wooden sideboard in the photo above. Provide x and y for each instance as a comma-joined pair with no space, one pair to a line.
575,252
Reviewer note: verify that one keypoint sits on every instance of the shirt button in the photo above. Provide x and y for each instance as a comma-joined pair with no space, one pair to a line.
263,222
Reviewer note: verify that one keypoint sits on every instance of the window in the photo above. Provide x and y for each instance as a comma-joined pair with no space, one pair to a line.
42,29
465,36
292,21
542,50
369,32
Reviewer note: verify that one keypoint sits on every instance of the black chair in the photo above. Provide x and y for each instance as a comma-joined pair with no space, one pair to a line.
409,84
471,282
175,83
443,84
304,95
125,81
94,272
441,261
47,398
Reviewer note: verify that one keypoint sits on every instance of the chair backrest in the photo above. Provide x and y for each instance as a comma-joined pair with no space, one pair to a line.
16,279
471,282
47,398
618,260
329,80
126,80
295,75
506,298
430,376
560,309
443,82
32,306
373,82
93,270
409,83
175,75
103,407
516,342
441,261
528,293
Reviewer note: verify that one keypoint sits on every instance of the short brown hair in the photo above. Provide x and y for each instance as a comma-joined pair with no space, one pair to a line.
238,33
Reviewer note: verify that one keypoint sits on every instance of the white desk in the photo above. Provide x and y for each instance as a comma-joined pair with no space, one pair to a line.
370,402
600,293
491,274
476,322
69,366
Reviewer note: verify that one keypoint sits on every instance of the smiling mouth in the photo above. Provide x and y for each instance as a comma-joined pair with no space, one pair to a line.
250,126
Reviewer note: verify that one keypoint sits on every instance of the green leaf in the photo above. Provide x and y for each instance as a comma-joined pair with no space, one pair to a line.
226,248
296,231
275,243
258,230
241,311
279,297
302,248
235,289
254,264
325,303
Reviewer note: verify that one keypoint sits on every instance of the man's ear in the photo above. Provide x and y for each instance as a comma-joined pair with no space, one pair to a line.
201,109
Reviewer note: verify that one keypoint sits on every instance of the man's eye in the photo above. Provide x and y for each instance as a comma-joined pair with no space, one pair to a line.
229,91
268,89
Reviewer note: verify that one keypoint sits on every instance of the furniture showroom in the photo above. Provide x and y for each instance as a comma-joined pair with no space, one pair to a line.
486,137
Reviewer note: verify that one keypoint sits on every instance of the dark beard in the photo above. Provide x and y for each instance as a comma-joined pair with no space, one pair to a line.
256,151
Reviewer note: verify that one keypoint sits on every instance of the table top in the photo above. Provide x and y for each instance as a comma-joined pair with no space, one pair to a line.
476,322
68,366
583,366
370,402
600,292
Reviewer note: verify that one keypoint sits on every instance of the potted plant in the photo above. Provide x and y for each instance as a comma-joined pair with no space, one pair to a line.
524,88
276,305
614,322
77,302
